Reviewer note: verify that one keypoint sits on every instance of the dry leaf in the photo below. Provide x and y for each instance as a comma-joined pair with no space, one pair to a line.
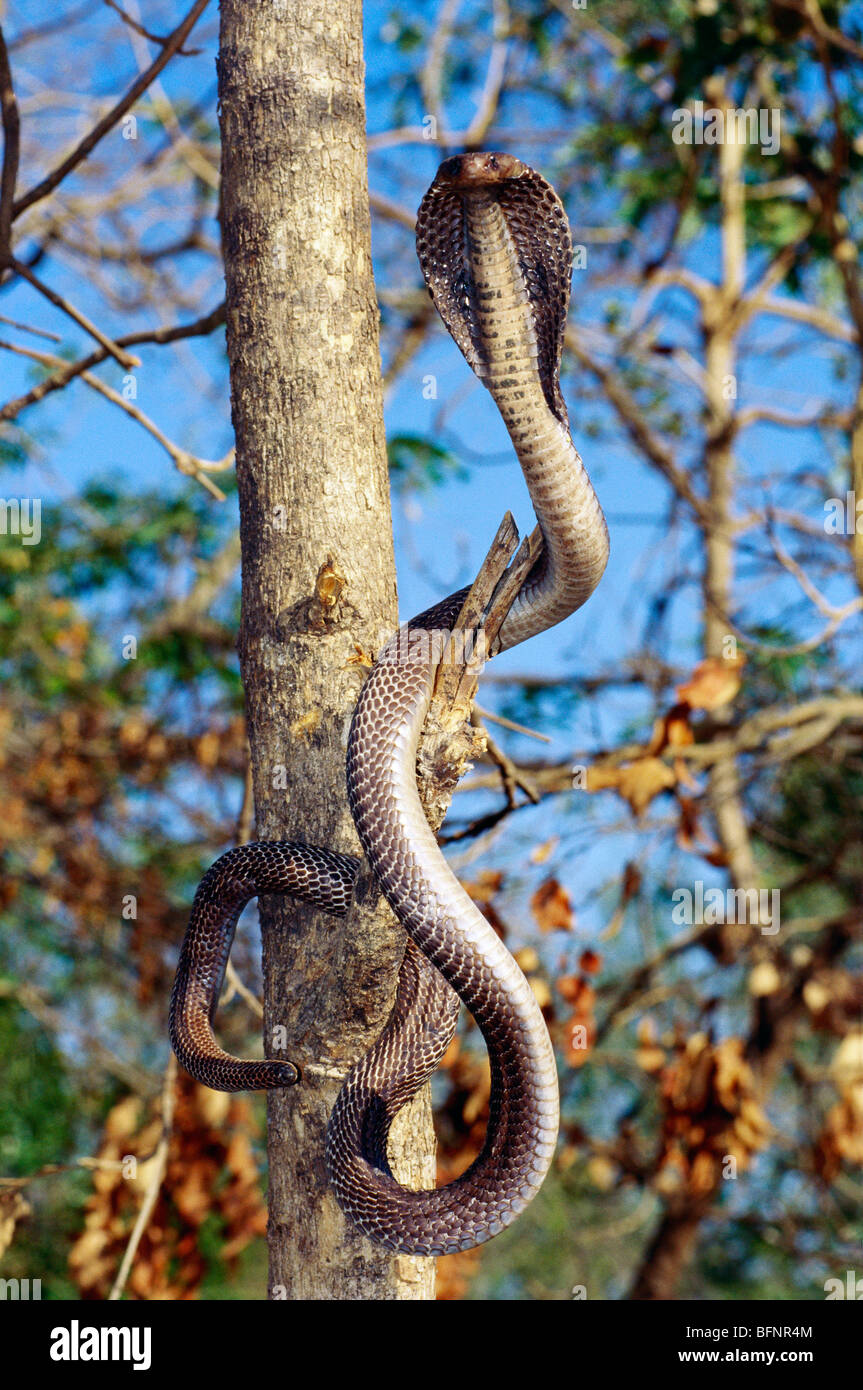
526,959
552,908
602,1172
570,987
846,1068
642,780
483,888
589,962
672,730
713,683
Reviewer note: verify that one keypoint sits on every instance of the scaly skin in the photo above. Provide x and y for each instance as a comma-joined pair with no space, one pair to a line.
495,249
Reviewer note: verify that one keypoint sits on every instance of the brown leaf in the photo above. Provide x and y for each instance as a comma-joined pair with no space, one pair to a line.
527,959
570,987
632,880
650,1059
207,749
602,775
672,730
628,889
644,779
603,1172
483,888
713,683
551,907
578,1037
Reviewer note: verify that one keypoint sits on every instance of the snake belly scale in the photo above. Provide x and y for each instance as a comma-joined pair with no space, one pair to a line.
495,249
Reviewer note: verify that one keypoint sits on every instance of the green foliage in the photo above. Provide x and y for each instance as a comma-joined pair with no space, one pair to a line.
92,579
418,463
37,1101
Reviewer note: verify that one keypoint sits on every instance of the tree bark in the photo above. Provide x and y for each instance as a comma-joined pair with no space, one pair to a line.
669,1253
720,360
318,585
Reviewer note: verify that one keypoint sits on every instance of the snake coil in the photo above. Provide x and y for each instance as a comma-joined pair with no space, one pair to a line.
495,249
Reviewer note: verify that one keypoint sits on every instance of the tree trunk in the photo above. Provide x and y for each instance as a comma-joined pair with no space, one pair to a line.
318,584
675,1239
670,1252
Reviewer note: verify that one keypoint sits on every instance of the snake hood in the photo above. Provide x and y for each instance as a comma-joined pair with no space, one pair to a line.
535,222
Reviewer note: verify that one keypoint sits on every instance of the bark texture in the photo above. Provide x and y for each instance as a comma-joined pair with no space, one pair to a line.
318,583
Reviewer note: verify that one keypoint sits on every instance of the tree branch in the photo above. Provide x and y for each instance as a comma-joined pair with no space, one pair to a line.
84,147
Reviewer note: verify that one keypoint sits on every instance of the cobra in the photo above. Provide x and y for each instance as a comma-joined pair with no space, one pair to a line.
495,249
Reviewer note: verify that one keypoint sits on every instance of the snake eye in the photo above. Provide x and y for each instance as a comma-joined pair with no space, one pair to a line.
492,161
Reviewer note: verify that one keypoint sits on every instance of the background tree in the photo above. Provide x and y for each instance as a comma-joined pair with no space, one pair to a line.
707,696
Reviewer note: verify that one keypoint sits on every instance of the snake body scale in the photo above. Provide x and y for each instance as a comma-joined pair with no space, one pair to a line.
495,249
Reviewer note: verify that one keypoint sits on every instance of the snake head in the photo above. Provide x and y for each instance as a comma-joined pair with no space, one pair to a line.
467,171
539,233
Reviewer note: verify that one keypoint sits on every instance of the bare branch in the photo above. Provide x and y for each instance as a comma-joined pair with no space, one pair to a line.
138,28
69,370
185,461
159,1166
91,140
11,149
125,359
632,417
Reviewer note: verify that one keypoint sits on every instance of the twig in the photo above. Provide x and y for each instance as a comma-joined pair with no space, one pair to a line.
101,128
810,314
31,999
394,211
28,328
511,724
146,34
510,775
149,1202
243,835
50,1170
823,30
51,26
490,95
632,417
431,77
113,349
170,334
788,562
181,614
814,722
184,461
11,150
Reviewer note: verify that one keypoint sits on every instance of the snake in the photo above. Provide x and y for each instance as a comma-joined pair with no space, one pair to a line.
495,249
